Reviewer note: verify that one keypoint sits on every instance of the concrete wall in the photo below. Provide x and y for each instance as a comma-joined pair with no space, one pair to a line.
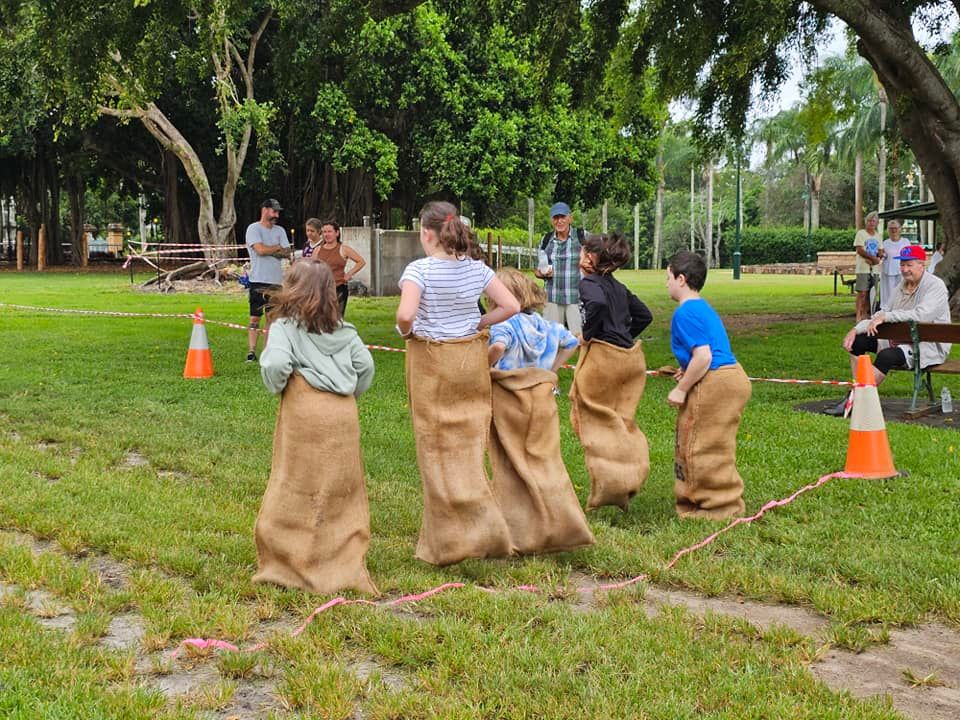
387,253
359,239
393,250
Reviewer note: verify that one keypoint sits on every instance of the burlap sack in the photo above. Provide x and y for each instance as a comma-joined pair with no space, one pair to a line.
607,386
448,384
529,478
707,482
313,529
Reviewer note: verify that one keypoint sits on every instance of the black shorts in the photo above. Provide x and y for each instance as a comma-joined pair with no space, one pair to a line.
257,299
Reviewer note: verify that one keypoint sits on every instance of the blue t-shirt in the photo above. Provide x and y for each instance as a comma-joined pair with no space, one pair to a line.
530,341
695,323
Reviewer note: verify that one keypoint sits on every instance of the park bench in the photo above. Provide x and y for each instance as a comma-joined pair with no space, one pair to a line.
913,333
841,264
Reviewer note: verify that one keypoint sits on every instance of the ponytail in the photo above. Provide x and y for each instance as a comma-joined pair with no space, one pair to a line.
453,235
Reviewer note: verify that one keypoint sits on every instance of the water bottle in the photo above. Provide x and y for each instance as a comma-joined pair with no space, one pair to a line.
946,402
543,262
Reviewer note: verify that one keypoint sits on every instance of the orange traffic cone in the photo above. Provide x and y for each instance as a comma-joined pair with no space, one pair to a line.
199,361
868,451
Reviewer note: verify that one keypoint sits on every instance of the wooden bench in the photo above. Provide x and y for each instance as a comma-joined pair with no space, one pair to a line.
914,333
840,264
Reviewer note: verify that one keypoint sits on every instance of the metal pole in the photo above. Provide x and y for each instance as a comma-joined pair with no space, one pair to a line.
636,236
736,242
809,222
529,226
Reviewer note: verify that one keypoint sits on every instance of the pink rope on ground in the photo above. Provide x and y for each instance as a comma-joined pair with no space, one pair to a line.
221,645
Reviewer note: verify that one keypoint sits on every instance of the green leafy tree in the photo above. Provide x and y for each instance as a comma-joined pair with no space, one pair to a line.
720,52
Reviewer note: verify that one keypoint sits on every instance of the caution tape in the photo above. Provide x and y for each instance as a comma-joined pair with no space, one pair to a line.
214,644
383,348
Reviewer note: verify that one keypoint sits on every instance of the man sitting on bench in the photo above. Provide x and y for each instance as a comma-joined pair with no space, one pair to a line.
919,296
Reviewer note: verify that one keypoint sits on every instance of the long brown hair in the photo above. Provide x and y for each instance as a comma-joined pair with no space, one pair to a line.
308,296
453,234
530,295
611,250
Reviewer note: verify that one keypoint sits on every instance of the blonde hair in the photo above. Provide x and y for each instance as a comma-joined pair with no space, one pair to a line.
530,295
872,215
308,296
453,234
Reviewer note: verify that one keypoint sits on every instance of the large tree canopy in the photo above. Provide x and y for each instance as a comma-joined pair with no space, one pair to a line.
721,53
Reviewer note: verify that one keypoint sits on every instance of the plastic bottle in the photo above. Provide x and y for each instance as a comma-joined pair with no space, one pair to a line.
946,402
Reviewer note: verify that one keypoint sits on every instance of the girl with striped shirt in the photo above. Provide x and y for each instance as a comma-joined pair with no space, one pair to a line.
448,386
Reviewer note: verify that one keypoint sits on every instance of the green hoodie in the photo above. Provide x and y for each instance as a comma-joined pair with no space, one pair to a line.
336,362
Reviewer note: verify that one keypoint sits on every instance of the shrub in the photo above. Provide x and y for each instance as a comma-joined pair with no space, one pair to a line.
763,245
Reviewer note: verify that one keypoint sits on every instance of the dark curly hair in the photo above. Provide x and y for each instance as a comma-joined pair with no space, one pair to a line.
612,251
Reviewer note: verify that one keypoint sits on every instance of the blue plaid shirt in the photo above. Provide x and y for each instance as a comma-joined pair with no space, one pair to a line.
564,287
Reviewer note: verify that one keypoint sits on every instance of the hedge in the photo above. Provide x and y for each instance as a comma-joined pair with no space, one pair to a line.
764,245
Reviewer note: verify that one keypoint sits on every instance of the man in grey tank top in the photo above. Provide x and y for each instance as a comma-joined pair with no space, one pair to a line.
266,244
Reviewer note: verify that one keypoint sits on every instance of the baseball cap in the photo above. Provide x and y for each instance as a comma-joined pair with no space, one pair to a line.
912,252
559,208
272,204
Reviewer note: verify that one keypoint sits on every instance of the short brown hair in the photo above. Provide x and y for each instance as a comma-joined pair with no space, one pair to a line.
611,250
308,296
691,266
528,293
452,233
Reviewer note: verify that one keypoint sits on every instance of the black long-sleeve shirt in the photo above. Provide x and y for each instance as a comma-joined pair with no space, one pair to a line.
611,312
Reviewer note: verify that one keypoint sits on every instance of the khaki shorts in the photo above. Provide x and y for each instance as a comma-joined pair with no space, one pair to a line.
863,282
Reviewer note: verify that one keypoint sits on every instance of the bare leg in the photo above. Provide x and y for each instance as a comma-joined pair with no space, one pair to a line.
253,333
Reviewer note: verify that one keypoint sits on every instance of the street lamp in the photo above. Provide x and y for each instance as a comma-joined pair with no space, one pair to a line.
736,244
809,200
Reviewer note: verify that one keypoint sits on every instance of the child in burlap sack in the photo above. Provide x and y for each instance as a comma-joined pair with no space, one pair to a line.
529,478
448,385
313,529
711,393
610,376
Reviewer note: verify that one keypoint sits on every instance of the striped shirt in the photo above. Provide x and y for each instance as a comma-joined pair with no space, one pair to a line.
450,291
564,287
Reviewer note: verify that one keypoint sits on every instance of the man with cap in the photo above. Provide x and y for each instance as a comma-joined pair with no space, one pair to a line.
266,244
919,296
560,269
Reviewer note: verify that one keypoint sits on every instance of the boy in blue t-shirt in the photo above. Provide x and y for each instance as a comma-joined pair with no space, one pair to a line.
711,393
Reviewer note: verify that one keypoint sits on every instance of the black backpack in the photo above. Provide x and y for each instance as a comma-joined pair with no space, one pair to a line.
546,238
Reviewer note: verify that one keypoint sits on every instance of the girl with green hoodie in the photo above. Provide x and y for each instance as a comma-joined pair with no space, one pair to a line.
313,529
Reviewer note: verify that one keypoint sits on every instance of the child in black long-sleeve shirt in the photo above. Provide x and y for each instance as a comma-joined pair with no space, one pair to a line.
610,312
610,375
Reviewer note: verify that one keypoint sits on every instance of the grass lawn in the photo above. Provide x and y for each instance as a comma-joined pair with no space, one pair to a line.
79,394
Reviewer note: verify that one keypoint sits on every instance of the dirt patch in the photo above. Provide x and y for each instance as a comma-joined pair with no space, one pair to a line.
369,670
760,321
762,615
124,633
251,700
199,287
133,459
919,669
893,409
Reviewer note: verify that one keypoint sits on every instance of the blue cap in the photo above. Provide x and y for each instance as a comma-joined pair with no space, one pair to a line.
560,208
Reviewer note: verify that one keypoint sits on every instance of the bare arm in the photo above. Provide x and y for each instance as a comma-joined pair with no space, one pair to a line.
495,352
359,263
507,304
563,356
261,249
409,302
697,367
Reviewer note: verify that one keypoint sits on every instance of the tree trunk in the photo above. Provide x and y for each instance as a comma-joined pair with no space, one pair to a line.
658,220
882,154
858,191
75,193
708,233
692,205
816,183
